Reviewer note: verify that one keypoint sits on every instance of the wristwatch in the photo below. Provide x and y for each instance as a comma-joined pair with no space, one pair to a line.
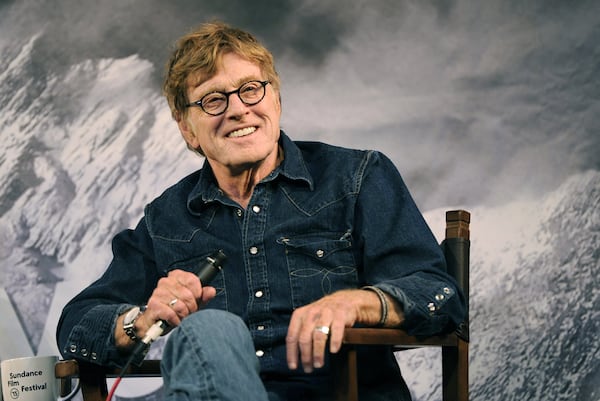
129,322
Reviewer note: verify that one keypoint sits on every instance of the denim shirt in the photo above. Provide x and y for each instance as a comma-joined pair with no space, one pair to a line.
327,218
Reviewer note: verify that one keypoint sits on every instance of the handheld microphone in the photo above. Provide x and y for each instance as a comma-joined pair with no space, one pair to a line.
206,272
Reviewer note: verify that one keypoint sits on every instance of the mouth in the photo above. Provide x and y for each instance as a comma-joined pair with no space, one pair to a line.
241,132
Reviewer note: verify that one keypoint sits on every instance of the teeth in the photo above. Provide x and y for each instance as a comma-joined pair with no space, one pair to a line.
242,132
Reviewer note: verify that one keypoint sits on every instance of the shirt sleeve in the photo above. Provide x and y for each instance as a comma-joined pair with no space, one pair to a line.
86,327
400,253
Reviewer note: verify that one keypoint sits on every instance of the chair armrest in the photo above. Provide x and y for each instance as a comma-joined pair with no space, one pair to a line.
454,359
66,369
396,337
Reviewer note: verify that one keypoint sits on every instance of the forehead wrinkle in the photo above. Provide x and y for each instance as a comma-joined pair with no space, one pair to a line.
217,87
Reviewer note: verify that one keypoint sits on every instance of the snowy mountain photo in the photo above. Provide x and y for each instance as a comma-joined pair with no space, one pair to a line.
491,108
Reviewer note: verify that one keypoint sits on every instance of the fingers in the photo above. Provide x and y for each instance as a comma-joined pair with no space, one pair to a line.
311,328
307,338
208,293
186,288
176,296
292,340
320,335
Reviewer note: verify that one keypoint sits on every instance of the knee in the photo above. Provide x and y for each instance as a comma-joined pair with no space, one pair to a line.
213,321
216,325
203,354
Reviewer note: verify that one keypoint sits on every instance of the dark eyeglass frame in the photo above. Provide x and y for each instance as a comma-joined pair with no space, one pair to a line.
198,103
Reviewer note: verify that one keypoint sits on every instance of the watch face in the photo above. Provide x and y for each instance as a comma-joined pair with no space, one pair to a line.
130,316
128,322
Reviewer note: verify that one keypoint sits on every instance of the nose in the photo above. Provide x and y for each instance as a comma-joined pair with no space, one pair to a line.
236,107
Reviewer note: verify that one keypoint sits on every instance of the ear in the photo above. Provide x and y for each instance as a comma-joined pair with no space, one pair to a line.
187,133
277,98
279,103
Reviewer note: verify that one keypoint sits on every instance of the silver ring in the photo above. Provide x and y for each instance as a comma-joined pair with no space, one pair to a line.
173,301
323,329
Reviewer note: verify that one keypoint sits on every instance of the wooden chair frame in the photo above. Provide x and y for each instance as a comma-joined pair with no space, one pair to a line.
455,346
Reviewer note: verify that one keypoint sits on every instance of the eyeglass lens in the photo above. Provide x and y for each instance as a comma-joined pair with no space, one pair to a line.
250,93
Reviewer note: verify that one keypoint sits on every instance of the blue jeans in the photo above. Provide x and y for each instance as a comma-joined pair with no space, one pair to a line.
211,357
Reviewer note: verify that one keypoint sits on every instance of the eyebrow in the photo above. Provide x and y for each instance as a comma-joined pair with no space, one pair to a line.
239,82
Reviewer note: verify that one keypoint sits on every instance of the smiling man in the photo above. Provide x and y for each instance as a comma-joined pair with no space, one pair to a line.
240,142
318,238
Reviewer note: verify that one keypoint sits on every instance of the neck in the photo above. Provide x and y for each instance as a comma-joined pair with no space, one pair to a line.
238,183
241,186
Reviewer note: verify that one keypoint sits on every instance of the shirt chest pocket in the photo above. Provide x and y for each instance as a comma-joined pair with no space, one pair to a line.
318,265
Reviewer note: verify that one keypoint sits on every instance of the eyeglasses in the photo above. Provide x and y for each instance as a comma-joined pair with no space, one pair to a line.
215,103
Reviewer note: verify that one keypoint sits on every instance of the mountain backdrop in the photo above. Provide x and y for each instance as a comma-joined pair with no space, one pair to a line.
489,107
535,299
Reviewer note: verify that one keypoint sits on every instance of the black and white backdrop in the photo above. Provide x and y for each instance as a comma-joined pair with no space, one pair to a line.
490,106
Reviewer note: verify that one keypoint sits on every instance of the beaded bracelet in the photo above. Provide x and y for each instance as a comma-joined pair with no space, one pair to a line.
384,304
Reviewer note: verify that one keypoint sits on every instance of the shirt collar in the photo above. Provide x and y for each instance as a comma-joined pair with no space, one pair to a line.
293,167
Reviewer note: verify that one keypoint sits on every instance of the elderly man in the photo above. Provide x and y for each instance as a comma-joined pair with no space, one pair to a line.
318,238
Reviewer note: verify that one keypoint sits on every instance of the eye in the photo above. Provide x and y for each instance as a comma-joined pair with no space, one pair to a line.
213,100
250,87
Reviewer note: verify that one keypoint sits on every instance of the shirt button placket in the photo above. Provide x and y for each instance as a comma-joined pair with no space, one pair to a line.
255,218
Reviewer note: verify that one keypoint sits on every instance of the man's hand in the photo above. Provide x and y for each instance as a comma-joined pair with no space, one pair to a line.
305,336
336,311
175,297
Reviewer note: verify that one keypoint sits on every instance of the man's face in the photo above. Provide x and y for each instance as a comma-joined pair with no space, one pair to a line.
243,136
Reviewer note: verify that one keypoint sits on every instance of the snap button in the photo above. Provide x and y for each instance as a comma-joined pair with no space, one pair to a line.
439,297
238,212
94,356
253,250
258,294
446,290
84,352
320,253
73,348
256,209
260,327
431,307
260,353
